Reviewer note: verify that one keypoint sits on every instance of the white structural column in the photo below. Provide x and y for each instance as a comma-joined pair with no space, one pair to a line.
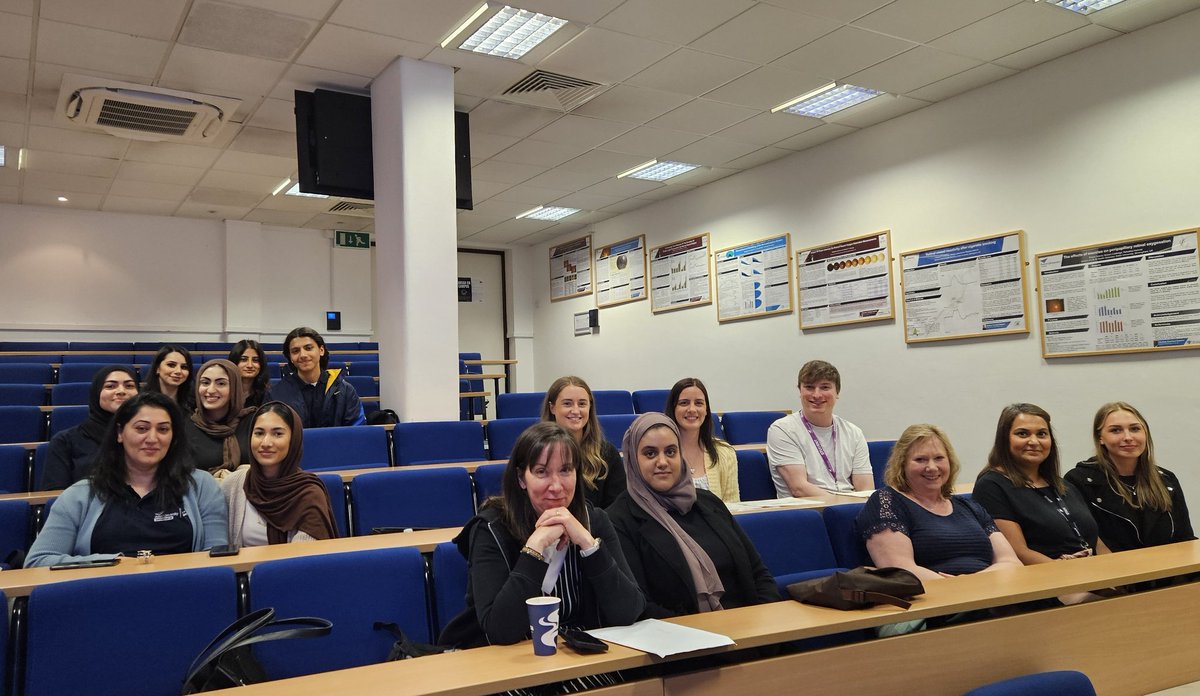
416,262
244,252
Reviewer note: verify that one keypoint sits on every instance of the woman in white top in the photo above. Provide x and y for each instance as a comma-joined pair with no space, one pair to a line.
271,501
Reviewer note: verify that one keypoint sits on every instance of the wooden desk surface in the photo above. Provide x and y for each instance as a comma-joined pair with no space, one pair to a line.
498,668
489,362
349,474
33,497
472,394
482,375
18,583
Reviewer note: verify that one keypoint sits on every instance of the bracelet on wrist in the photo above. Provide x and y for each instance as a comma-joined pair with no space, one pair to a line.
530,551
591,549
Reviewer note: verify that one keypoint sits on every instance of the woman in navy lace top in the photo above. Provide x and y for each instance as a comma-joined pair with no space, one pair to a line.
915,522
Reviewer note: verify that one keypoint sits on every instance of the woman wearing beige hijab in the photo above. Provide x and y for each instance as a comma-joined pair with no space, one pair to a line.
218,430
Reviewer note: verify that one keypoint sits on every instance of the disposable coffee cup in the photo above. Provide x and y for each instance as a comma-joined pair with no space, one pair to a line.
543,623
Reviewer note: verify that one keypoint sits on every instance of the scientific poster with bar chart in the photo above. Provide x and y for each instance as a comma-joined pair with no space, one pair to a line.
967,289
846,282
571,269
680,275
620,271
1134,295
754,279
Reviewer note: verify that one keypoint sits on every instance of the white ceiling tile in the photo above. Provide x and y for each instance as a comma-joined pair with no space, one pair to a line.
477,74
672,21
1011,30
712,151
704,175
9,176
56,181
12,136
223,74
32,194
481,189
240,181
962,82
1131,16
581,11
144,206
149,189
671,189
603,162
508,232
505,172
155,19
265,165
358,52
528,195
566,180
337,222
225,197
764,33
539,153
877,110
841,53
275,114
247,31
313,9
589,132
298,204
627,205
265,142
48,77
502,118
764,88
417,20
173,154
10,194
210,212
1058,46
623,188
924,20
307,79
484,145
76,141
21,7
768,128
649,142
586,201
12,107
464,102
503,210
821,134
605,56
14,75
911,70
754,159
164,173
66,163
16,32
632,104
841,10
690,72
704,117
69,44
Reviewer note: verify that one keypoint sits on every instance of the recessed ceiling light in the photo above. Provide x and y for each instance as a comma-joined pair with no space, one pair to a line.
511,33
21,158
62,199
281,187
658,171
547,212
295,191
1,155
1084,7
466,23
826,100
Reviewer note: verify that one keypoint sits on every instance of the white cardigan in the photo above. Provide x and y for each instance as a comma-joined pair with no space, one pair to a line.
233,486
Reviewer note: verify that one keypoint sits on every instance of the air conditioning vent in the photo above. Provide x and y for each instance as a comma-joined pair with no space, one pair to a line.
553,91
363,210
139,112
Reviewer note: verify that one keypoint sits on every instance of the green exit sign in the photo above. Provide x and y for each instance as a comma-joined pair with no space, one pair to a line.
352,240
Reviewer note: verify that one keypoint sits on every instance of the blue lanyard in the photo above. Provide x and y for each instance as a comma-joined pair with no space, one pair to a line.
829,465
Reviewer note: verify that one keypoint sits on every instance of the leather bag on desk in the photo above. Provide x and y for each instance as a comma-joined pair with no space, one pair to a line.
228,662
859,588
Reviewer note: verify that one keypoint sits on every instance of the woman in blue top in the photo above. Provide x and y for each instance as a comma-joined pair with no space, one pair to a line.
915,522
142,494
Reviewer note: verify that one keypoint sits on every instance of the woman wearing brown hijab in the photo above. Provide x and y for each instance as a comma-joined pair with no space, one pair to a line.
218,430
272,501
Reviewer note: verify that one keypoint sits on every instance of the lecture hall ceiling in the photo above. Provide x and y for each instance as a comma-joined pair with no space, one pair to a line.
688,80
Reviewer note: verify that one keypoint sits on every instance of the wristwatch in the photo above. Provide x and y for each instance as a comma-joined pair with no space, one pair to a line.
591,549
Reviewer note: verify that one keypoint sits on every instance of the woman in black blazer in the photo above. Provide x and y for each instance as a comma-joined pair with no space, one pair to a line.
685,550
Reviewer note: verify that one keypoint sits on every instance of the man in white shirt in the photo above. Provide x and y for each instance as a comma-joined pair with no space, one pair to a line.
814,453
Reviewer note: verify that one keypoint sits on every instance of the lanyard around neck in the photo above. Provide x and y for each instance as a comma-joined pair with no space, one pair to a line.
829,463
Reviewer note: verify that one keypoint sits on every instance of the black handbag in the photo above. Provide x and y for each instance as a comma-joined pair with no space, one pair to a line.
228,661
859,588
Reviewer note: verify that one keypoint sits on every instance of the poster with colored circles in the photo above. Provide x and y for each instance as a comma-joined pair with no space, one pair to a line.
846,282
571,269
754,279
620,271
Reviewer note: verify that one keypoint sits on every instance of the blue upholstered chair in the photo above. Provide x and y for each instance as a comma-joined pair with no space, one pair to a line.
345,447
84,371
748,427
449,570
352,590
22,394
650,400
793,544
1060,683
22,424
337,500
21,358
39,466
39,346
848,547
411,499
612,402
438,441
614,426
477,406
26,373
363,368
71,394
754,476
488,480
879,451
63,417
520,404
125,634
718,429
502,434
100,358
111,346
14,528
14,469
364,386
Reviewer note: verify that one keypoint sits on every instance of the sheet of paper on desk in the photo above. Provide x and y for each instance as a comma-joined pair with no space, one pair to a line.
857,494
661,638
771,504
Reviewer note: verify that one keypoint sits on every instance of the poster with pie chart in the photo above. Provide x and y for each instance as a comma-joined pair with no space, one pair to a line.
754,279
846,282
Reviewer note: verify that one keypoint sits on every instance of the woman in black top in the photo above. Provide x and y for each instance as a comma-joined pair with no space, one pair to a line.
1135,502
569,403
218,430
70,453
1043,518
170,373
251,361
685,549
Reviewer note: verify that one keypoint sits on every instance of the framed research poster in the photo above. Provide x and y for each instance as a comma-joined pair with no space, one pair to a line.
846,282
680,275
620,271
754,279
571,269
966,289
1134,295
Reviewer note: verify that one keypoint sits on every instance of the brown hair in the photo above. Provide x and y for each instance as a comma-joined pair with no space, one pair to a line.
894,474
708,441
591,463
513,502
1001,457
815,371
1148,483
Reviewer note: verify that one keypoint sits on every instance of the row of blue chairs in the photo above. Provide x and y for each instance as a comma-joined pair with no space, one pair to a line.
152,346
82,370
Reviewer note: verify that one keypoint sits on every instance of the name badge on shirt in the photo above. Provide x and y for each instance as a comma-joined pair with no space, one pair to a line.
170,516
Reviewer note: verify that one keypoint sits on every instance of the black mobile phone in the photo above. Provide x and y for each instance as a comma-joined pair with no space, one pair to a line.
227,550
71,565
582,641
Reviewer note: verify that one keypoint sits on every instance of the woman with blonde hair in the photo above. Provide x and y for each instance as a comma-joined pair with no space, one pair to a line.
1135,502
569,403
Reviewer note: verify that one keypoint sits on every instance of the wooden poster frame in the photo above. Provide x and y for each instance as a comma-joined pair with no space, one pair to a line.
708,273
564,249
891,293
1020,235
645,271
716,255
1041,300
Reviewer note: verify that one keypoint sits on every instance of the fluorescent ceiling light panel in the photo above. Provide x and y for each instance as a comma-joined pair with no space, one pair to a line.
1,155
1085,7
466,23
827,100
282,185
295,191
660,171
547,212
511,33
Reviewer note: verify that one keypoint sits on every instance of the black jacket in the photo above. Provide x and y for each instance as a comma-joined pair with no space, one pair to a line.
501,578
340,404
661,571
68,459
613,484
1116,518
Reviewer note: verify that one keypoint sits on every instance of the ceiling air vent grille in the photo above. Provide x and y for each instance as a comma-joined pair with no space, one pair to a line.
553,91
142,112
365,210
142,117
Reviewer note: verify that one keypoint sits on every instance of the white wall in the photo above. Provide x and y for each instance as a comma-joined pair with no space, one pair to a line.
1098,145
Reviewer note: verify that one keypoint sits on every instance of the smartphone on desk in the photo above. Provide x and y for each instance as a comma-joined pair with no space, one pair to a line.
71,565
226,550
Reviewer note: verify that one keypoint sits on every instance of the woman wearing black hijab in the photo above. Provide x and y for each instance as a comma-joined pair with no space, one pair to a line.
70,453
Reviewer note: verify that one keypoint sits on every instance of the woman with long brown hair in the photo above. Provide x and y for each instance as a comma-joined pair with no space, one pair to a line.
569,403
